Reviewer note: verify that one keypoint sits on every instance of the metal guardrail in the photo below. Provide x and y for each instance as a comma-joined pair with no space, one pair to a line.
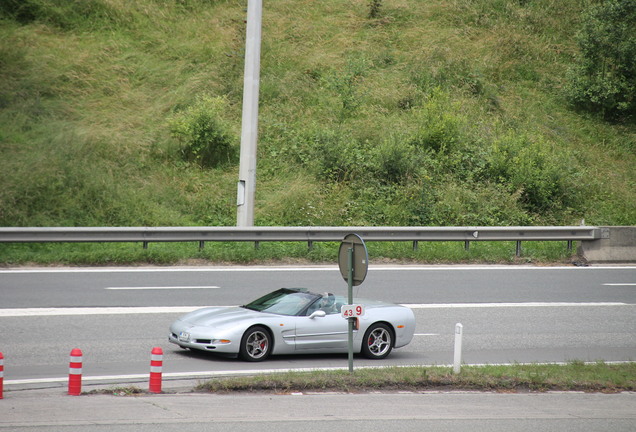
310,234
305,234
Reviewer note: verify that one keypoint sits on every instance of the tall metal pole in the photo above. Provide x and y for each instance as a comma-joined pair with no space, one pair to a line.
350,253
249,129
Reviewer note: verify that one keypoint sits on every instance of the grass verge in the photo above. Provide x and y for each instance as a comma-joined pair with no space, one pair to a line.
279,252
573,376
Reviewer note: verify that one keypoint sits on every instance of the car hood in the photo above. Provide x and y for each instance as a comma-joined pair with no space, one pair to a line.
219,316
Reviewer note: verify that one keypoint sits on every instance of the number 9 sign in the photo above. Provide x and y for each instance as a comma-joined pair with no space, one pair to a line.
351,311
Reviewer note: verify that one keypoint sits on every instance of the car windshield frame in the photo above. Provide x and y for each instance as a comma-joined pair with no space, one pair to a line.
284,301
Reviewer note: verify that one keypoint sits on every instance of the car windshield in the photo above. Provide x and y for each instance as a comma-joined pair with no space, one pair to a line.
284,301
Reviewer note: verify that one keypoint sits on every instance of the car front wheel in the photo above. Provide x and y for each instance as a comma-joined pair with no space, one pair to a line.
255,344
377,342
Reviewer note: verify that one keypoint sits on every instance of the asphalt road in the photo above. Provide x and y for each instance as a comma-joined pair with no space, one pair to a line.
398,284
116,316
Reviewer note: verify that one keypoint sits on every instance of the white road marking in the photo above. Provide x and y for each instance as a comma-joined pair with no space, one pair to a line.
30,312
160,288
171,269
174,375
511,305
619,284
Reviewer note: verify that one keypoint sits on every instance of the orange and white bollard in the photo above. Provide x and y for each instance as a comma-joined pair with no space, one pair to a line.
1,374
75,373
156,365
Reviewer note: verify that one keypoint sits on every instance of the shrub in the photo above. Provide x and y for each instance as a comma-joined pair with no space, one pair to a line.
477,204
205,137
407,205
336,156
394,161
345,85
544,176
438,127
374,8
604,79
65,14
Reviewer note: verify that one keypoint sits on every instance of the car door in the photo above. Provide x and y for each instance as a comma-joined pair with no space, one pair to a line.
322,333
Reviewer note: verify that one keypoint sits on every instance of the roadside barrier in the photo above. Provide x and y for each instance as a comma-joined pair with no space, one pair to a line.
1,374
156,366
585,234
75,373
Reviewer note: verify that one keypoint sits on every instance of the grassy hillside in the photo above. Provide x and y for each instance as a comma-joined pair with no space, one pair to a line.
399,112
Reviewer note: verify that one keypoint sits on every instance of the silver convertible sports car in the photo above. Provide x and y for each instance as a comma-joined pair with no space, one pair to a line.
294,321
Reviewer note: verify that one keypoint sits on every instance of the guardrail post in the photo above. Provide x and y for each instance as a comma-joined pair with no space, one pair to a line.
415,245
145,245
201,244
518,252
466,245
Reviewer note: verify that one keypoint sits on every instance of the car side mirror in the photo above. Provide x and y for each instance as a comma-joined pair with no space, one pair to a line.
318,314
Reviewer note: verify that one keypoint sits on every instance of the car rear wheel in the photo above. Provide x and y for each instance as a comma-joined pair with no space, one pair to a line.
377,342
255,344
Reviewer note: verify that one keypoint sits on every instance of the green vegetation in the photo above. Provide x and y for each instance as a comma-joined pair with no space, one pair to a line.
118,391
605,79
118,113
279,253
575,376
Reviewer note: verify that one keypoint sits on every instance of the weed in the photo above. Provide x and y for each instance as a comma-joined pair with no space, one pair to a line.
597,377
435,113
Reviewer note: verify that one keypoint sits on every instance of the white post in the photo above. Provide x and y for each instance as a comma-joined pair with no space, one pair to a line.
249,128
459,330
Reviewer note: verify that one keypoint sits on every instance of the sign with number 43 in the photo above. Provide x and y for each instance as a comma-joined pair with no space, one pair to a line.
351,311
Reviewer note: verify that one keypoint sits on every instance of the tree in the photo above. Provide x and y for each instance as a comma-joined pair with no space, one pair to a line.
604,78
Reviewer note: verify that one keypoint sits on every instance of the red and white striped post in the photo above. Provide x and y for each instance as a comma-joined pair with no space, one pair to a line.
156,365
75,373
1,374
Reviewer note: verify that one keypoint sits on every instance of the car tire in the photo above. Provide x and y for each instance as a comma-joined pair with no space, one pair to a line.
256,344
377,342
